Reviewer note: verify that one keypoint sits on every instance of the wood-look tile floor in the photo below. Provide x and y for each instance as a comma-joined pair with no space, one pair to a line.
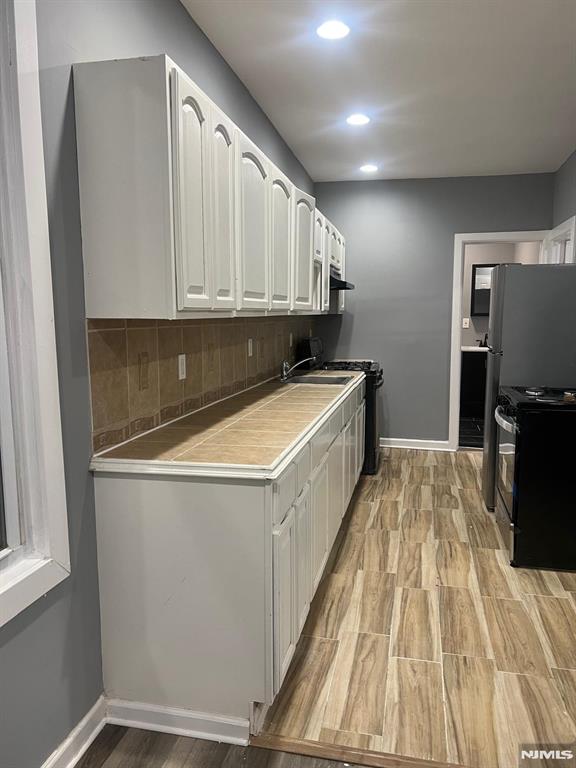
119,747
423,641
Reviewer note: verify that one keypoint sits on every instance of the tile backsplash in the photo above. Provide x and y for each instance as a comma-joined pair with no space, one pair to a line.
134,367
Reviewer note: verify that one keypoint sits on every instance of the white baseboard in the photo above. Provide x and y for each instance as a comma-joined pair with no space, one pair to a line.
424,445
184,722
132,714
79,739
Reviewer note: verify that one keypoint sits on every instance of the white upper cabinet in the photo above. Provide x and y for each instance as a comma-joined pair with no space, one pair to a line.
253,226
180,212
191,111
318,236
222,250
304,209
281,225
326,236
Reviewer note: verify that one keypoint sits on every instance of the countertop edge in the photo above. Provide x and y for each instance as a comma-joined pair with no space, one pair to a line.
103,466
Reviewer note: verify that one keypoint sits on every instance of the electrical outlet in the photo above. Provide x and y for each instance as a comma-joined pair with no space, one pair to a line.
181,367
465,322
250,351
291,340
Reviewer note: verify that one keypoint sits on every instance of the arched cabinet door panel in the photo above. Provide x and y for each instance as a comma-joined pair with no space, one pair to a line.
327,233
304,209
253,185
282,198
223,139
191,159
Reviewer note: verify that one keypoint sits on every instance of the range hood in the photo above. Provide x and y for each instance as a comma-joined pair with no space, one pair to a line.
340,285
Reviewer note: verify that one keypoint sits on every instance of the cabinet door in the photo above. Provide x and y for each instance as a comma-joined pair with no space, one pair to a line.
335,487
303,251
361,430
327,234
347,473
303,522
342,294
191,159
253,226
284,555
318,236
222,250
319,497
334,251
353,454
282,198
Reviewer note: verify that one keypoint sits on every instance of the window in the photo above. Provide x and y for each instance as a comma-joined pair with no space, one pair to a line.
34,554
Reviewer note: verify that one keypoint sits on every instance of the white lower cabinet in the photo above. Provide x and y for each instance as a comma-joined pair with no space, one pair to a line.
335,486
221,582
303,523
304,539
361,429
319,496
347,471
284,570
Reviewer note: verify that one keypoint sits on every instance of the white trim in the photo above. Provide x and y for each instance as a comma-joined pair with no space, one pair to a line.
69,752
460,242
563,233
183,722
29,315
424,445
149,717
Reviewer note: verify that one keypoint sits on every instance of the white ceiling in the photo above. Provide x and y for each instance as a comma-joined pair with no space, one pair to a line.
453,87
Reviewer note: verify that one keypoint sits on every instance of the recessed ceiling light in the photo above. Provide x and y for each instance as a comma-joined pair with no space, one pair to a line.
333,30
357,119
369,168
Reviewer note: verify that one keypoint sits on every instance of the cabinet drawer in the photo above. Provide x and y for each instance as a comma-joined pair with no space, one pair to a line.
284,493
302,464
320,444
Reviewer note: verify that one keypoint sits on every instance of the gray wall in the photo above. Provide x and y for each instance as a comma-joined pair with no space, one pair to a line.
50,667
565,190
400,246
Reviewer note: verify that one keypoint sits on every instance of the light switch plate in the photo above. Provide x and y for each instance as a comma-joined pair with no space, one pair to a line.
181,367
465,322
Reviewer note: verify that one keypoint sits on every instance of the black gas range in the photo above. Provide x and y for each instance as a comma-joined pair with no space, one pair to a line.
513,398
374,380
535,481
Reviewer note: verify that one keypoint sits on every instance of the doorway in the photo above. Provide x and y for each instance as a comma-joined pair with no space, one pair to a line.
479,262
461,243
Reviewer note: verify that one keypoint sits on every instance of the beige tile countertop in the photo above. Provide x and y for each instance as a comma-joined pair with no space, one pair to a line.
254,428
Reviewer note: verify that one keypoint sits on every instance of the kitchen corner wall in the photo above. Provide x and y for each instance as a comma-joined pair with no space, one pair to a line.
134,367
400,256
565,190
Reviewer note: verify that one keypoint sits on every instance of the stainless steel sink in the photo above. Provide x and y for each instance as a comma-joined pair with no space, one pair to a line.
341,380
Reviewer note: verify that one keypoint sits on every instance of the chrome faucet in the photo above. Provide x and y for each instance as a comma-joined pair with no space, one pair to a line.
287,369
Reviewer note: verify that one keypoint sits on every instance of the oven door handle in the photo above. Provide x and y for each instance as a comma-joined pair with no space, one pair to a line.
507,424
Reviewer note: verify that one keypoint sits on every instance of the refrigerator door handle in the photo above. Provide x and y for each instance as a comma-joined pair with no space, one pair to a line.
507,424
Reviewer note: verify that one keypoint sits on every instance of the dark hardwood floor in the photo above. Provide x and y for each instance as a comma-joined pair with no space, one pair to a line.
119,747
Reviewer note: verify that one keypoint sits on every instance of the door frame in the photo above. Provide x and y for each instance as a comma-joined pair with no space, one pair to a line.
460,243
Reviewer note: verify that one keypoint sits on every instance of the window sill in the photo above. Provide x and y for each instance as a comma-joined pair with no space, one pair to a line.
26,581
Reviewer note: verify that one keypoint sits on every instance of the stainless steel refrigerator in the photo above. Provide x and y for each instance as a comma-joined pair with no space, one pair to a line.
531,340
